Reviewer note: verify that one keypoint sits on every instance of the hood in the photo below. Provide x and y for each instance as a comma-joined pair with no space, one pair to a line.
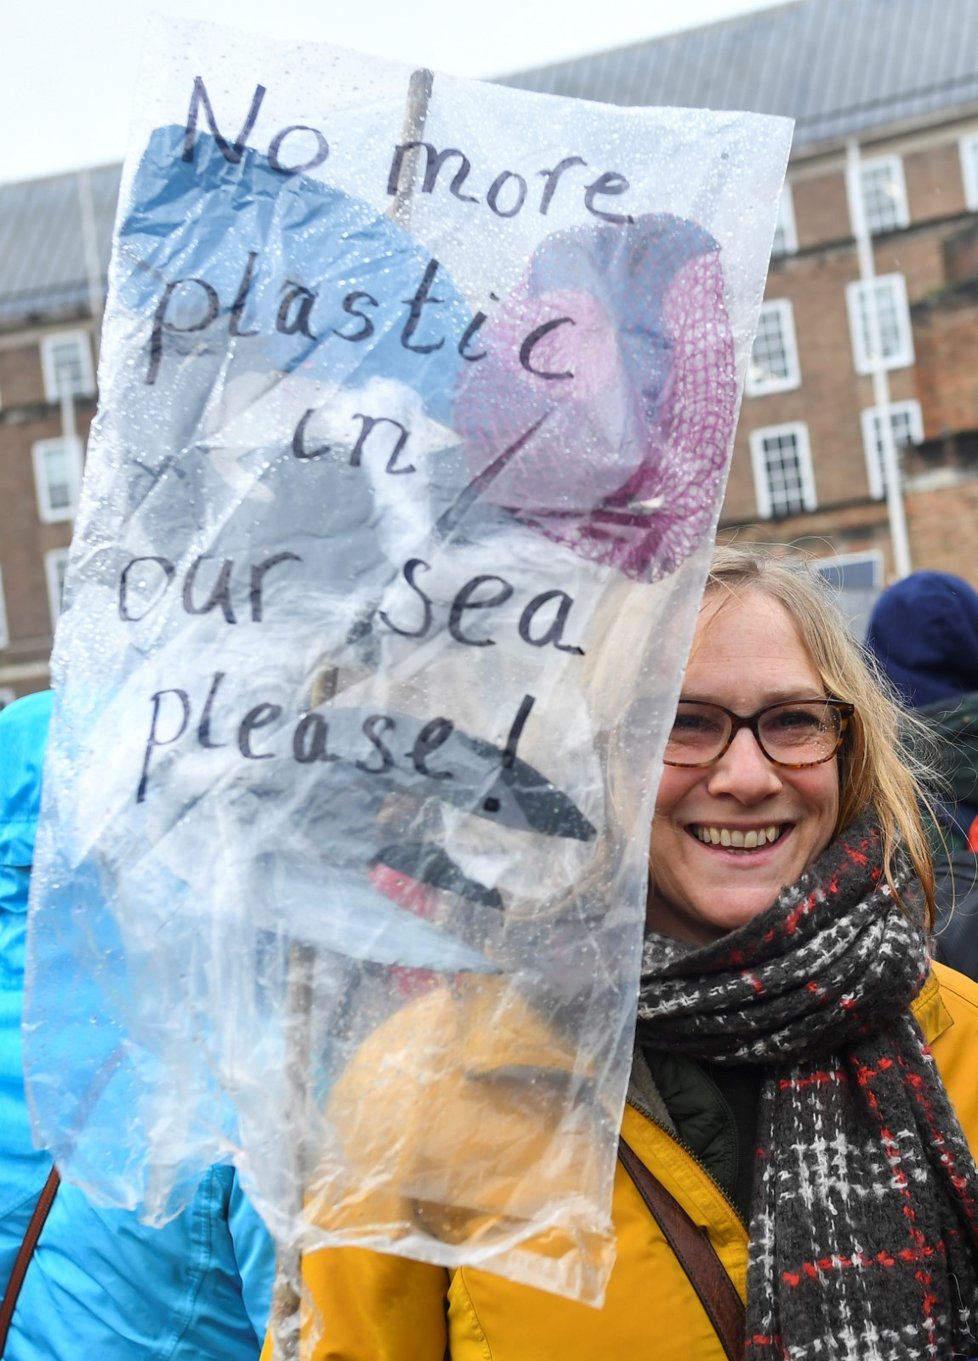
924,633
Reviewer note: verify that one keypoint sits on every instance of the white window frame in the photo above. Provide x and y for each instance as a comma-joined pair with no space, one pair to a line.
55,565
51,514
785,232
798,431
759,384
85,386
903,355
892,168
4,629
907,412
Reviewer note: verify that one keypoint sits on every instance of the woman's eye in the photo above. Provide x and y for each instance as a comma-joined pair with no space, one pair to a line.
694,725
796,720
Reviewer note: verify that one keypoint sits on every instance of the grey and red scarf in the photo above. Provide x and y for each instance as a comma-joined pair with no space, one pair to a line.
864,1223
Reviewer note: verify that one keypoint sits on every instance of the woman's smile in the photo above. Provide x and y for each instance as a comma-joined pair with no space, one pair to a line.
738,838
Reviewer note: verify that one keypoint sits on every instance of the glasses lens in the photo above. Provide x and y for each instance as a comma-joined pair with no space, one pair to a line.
699,733
799,733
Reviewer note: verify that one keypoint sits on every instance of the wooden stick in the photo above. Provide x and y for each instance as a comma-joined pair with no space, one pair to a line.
415,117
285,1321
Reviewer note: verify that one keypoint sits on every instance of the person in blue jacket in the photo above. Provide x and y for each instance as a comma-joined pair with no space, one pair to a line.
100,1283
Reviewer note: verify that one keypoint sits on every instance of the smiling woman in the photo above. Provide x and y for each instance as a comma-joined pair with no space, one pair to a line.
785,967
715,862
878,767
802,1110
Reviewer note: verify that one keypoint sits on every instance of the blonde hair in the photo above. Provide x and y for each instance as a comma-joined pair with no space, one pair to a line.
887,756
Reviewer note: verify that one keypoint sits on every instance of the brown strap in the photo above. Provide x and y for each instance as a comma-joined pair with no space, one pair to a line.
23,1259
694,1253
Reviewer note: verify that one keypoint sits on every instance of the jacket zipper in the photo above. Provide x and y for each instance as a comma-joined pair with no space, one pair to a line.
680,1143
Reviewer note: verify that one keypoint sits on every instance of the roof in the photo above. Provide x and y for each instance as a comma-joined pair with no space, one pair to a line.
43,236
838,67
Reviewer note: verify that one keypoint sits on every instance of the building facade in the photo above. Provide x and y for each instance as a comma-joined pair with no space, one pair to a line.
809,459
54,245
885,98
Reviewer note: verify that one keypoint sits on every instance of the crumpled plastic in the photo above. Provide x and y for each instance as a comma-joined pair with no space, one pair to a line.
397,512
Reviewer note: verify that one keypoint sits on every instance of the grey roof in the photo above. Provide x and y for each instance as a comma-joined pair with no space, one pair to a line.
838,67
43,268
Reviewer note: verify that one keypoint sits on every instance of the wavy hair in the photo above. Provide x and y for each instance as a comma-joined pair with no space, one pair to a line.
887,758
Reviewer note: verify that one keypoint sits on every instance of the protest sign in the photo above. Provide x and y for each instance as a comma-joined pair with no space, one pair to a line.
416,402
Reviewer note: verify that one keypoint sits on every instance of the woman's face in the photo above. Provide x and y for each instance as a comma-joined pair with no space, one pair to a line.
746,654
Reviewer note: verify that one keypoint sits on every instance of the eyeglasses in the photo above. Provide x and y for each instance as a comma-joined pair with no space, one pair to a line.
797,733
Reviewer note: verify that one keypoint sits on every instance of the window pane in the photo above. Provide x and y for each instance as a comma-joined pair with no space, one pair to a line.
66,360
68,369
893,317
785,237
900,425
769,359
889,321
907,427
969,170
857,572
774,359
56,566
784,475
57,474
883,195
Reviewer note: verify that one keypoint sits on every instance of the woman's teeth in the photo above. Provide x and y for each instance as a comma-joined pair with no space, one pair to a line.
732,836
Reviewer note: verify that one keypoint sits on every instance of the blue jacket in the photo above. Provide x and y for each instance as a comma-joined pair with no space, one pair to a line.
101,1284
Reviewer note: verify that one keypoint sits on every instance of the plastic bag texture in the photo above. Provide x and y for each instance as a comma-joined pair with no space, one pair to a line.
417,398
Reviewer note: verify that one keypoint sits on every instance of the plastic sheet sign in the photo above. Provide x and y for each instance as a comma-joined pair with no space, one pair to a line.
417,397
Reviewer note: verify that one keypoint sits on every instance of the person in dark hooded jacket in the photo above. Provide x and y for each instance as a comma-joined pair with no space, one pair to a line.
924,633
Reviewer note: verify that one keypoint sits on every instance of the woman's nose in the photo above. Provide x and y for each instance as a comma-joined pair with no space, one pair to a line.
744,772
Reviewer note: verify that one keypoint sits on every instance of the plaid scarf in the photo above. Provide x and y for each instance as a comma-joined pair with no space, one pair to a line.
864,1223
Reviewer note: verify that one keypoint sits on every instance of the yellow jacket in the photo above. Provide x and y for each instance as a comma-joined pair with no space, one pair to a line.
384,1308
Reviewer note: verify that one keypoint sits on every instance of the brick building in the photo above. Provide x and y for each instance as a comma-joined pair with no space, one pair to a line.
885,98
54,246
886,89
